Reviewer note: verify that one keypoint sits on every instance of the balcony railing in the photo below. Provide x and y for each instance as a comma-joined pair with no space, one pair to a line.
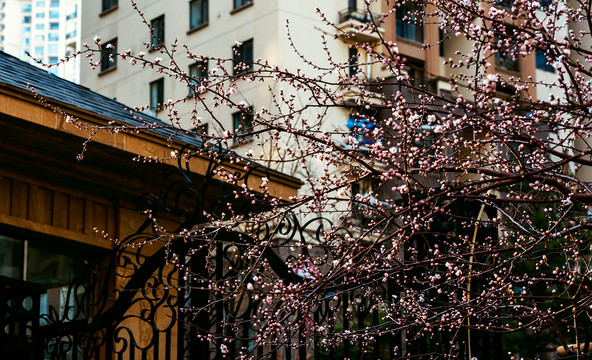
356,14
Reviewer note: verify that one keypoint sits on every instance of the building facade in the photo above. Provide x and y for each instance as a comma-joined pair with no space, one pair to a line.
223,32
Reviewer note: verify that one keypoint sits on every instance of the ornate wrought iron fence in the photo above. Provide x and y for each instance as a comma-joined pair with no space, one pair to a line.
191,292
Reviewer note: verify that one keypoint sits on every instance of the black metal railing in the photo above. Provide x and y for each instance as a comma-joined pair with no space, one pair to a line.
19,319
357,14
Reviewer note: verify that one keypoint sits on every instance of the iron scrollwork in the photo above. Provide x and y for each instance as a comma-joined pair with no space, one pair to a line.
180,287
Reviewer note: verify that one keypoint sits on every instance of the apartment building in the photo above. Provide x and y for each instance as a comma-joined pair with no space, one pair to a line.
232,30
42,32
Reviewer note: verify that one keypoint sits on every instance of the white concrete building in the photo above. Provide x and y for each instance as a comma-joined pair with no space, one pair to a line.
48,30
213,29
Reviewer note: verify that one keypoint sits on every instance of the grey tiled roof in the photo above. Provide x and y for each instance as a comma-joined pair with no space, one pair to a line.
17,73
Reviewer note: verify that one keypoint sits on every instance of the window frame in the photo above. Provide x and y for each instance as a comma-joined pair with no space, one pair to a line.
198,74
107,56
352,61
157,32
402,26
108,5
198,7
542,63
243,54
242,121
237,4
157,102
504,59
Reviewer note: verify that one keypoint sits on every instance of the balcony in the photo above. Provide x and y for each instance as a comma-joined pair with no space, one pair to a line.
355,96
356,25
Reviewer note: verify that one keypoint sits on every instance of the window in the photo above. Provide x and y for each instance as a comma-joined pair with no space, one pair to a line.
198,13
52,48
26,19
26,30
242,123
54,26
542,63
353,62
242,55
156,94
198,73
39,38
504,3
40,4
157,35
53,266
416,71
201,131
109,60
53,59
54,3
38,50
54,14
26,8
505,57
73,13
409,23
40,15
40,26
108,4
239,3
52,36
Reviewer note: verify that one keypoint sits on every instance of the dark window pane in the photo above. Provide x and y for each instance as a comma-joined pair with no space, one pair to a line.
108,59
11,257
198,73
409,23
353,62
243,122
243,57
198,13
542,63
156,94
52,266
108,4
505,57
157,36
239,3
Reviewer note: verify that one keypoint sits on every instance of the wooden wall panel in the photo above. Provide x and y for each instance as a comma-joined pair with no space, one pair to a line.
5,195
76,216
40,205
96,218
112,222
61,210
19,199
